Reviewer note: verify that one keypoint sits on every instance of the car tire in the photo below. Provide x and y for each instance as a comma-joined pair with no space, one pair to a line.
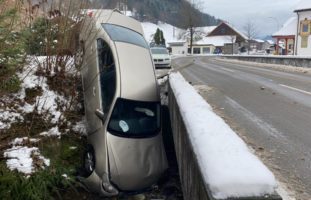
89,160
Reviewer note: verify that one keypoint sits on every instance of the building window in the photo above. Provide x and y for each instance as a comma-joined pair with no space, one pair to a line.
206,50
196,50
304,42
305,28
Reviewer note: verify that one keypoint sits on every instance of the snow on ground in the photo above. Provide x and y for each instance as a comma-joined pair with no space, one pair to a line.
286,68
163,80
52,132
47,102
227,164
21,141
20,158
7,117
171,33
80,127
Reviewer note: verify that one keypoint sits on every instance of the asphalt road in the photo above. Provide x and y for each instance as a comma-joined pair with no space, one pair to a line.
270,110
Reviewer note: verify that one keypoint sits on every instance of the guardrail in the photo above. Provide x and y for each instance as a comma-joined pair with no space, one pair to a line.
279,60
194,185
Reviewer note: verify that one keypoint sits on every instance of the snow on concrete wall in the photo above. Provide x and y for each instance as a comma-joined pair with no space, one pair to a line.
227,165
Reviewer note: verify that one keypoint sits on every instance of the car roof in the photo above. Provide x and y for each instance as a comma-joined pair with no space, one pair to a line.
116,17
136,70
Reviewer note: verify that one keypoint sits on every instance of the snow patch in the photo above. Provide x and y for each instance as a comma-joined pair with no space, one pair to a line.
48,101
8,117
21,141
51,133
20,159
227,164
171,33
80,127
163,80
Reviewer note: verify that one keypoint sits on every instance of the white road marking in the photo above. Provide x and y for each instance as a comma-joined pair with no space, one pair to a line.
296,89
264,126
229,70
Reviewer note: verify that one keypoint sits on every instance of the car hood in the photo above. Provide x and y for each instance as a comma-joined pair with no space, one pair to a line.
160,56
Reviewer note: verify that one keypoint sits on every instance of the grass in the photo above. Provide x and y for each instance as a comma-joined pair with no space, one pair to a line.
32,125
48,183
32,93
65,155
9,84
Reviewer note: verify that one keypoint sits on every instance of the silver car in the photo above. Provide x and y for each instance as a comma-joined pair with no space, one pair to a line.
161,57
125,150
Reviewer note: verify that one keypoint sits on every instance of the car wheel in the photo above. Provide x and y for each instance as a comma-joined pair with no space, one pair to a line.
89,160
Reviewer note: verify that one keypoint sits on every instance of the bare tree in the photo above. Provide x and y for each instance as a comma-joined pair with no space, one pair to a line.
191,11
250,31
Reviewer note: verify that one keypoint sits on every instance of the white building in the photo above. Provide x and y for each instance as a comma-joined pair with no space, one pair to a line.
286,35
178,47
303,34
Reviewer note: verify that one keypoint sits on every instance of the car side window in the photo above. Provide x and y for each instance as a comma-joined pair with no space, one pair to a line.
107,72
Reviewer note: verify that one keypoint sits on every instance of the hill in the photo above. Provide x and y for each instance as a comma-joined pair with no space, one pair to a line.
175,12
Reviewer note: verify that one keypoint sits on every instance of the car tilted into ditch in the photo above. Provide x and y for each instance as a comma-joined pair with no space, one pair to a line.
125,150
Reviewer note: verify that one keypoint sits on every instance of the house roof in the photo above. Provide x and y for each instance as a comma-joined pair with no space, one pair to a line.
259,40
236,30
303,5
270,41
230,26
288,29
217,41
207,29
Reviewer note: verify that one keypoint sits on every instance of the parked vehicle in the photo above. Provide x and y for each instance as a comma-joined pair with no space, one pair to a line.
125,150
161,57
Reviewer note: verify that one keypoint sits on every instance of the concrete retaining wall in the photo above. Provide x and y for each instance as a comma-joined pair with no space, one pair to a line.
279,60
194,187
193,184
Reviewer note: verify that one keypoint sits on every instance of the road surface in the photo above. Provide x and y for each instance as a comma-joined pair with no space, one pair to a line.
270,110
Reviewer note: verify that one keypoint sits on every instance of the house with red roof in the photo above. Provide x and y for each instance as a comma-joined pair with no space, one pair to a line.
286,35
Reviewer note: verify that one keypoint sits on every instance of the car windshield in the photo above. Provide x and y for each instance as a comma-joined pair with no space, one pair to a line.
159,51
122,34
135,119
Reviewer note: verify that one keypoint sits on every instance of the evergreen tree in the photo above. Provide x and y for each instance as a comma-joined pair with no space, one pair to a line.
12,53
159,37
162,39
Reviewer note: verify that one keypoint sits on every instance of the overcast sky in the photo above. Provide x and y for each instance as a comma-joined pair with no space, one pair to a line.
265,14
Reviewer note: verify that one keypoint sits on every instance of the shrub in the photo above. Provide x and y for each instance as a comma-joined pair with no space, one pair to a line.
12,49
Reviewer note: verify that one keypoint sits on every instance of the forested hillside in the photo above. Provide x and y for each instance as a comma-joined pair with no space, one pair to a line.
175,12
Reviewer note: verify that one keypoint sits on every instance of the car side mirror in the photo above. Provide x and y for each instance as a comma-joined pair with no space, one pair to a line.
100,114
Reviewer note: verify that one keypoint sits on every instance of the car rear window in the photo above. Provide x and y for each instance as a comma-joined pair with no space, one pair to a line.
159,51
122,34
135,119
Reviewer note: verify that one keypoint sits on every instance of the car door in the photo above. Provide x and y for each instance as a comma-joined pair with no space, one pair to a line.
99,83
